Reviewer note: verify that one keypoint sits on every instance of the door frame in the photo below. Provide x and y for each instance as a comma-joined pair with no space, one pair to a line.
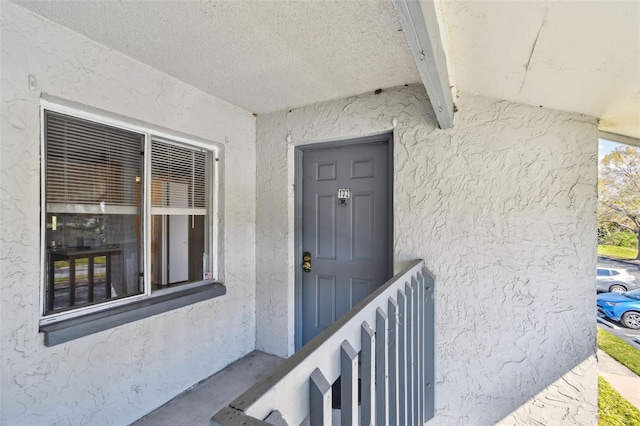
298,197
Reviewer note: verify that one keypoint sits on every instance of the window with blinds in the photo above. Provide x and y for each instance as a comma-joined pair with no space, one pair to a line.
102,242
91,167
178,179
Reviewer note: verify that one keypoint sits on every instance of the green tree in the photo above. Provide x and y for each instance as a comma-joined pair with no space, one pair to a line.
612,235
619,191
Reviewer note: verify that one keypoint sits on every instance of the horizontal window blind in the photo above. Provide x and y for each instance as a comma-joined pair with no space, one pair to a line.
178,179
91,165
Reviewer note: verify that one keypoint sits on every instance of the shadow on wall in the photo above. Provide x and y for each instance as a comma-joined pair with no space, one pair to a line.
574,395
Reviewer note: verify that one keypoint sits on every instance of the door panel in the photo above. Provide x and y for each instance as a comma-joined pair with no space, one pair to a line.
362,168
326,290
326,170
362,240
349,242
326,226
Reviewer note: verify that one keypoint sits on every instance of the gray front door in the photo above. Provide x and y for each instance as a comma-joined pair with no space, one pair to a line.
348,239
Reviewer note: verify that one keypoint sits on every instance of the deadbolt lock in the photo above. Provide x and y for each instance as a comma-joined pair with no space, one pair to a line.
306,261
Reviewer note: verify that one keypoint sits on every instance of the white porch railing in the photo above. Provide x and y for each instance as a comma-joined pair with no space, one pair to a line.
390,334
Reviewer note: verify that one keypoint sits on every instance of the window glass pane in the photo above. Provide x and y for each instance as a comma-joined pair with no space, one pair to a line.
177,249
180,210
93,212
179,177
92,165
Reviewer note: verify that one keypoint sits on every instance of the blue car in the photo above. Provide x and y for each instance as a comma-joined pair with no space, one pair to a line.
623,307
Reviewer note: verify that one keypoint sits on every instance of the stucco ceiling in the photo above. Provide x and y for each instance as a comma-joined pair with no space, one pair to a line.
581,56
259,55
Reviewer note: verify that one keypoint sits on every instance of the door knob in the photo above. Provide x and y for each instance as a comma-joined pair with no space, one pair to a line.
306,261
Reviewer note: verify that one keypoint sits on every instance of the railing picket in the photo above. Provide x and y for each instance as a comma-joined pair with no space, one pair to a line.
319,400
409,341
430,341
402,358
420,291
349,384
367,362
392,354
381,367
416,354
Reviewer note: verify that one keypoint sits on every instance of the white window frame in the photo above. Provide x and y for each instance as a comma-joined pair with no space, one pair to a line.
149,131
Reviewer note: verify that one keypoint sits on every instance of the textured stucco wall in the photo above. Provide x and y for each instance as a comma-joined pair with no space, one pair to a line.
115,376
502,209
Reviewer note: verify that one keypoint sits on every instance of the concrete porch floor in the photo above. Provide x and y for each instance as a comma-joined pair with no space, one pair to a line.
197,405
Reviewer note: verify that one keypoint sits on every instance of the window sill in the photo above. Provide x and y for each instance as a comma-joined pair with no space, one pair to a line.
163,301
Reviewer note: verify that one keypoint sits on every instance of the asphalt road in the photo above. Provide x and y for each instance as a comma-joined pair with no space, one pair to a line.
614,327
609,263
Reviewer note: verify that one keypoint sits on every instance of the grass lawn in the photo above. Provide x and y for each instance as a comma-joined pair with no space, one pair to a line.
613,409
617,252
83,261
620,350
79,278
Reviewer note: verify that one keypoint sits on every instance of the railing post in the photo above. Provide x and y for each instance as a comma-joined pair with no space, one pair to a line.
430,344
319,399
422,345
381,367
402,358
393,362
348,384
417,386
367,361
409,340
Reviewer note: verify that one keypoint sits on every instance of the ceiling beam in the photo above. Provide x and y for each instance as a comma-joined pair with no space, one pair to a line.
420,26
614,137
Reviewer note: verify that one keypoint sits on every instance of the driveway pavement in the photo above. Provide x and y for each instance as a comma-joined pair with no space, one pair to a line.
631,266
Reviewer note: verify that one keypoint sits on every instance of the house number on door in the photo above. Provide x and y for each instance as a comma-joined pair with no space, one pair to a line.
343,196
